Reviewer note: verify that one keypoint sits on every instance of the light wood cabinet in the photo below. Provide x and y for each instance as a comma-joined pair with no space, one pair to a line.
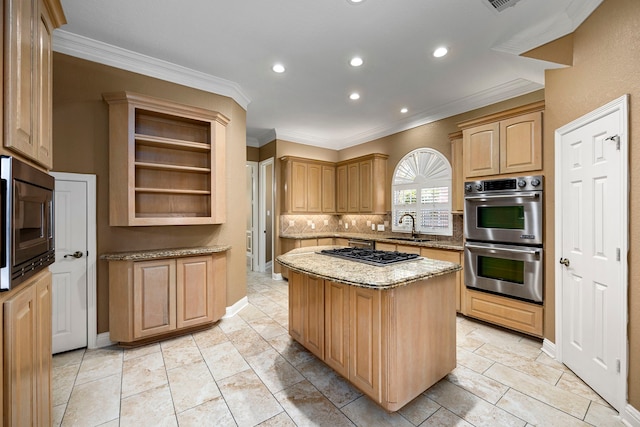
287,245
27,354
151,299
361,185
313,320
308,186
296,306
167,162
365,341
336,327
450,256
457,173
507,312
504,143
29,26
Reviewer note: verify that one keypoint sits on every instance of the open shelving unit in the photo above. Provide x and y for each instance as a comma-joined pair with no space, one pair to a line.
166,162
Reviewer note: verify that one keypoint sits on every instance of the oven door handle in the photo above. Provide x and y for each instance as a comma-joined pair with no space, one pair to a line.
503,196
519,251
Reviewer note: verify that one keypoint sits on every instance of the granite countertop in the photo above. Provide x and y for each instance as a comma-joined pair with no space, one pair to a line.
308,261
453,245
144,255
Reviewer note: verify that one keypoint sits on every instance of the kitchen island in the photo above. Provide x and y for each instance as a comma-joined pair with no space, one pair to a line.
391,330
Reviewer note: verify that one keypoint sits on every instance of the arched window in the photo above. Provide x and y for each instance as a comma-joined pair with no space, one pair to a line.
421,187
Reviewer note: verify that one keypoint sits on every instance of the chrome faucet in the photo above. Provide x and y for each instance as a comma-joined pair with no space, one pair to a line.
413,223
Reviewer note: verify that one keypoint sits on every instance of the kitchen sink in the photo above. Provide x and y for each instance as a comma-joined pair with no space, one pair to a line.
410,239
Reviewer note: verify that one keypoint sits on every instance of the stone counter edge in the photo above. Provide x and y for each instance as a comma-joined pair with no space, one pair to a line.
151,254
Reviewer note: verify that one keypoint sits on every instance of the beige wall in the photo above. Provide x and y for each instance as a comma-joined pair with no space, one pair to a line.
606,65
81,145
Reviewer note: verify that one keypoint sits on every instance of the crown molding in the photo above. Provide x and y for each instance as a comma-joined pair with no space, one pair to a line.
550,29
103,53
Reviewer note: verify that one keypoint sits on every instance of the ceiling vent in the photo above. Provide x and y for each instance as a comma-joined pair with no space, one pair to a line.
500,5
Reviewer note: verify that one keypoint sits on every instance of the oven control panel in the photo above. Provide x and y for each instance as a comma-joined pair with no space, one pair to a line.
522,183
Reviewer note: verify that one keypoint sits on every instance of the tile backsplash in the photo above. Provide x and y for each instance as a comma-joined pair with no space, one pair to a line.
361,224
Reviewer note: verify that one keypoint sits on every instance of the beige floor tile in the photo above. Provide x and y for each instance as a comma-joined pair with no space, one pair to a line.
210,337
93,403
566,401
445,418
570,382
274,370
267,328
335,388
224,360
68,358
308,407
248,399
364,412
99,365
143,373
470,407
232,324
469,343
63,378
150,408
520,363
281,420
291,350
213,413
419,409
102,352
545,359
180,351
478,384
191,385
472,361
536,412
603,416
248,342
57,414
132,353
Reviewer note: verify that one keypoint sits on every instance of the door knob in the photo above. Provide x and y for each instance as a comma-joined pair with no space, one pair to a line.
565,262
76,254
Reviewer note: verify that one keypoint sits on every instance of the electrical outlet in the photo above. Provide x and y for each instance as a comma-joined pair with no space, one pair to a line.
313,226
326,222
368,223
339,222
353,222
292,223
308,222
380,227
346,225
373,227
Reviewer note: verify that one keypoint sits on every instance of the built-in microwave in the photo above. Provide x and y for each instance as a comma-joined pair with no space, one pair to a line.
27,221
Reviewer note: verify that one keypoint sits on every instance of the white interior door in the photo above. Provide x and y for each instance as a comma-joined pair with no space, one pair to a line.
69,291
592,248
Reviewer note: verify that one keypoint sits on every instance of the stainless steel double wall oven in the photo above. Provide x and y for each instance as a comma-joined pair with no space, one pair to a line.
503,230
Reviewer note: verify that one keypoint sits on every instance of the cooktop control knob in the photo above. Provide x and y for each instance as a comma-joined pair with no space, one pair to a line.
467,188
479,187
535,182
522,183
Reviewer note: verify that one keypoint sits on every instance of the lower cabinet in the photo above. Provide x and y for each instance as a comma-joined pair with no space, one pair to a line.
27,355
150,299
451,256
391,344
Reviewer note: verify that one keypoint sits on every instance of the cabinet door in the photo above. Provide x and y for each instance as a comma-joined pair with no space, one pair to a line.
314,188
365,203
382,246
521,143
457,179
328,189
194,291
336,327
43,350
481,150
298,186
20,76
451,256
43,85
408,249
313,321
342,189
295,305
154,297
20,321
353,188
364,331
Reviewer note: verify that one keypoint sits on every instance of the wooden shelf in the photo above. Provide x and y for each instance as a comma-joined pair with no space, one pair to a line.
158,141
160,166
170,191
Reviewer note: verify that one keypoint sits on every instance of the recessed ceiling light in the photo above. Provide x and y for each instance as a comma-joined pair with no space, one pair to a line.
355,1
356,61
354,96
278,68
440,52
403,110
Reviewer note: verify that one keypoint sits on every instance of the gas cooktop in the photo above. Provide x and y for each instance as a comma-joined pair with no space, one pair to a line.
370,256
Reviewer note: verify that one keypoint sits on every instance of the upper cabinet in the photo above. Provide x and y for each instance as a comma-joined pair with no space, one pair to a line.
29,26
167,162
457,178
308,186
504,143
361,185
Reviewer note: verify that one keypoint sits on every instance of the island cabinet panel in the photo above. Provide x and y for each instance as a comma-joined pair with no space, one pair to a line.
296,306
336,327
313,320
365,360
149,300
450,256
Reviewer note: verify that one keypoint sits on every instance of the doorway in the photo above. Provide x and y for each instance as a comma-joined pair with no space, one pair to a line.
74,311
591,242
267,197
252,217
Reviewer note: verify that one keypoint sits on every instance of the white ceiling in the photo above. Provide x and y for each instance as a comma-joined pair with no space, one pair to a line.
228,47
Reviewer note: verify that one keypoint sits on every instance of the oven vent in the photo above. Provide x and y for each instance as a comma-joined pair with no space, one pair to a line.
500,5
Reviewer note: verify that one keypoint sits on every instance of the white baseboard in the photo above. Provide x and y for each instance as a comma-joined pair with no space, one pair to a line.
102,340
549,348
276,276
235,308
631,416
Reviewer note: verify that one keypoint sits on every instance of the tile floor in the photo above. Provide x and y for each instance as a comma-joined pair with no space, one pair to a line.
246,371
